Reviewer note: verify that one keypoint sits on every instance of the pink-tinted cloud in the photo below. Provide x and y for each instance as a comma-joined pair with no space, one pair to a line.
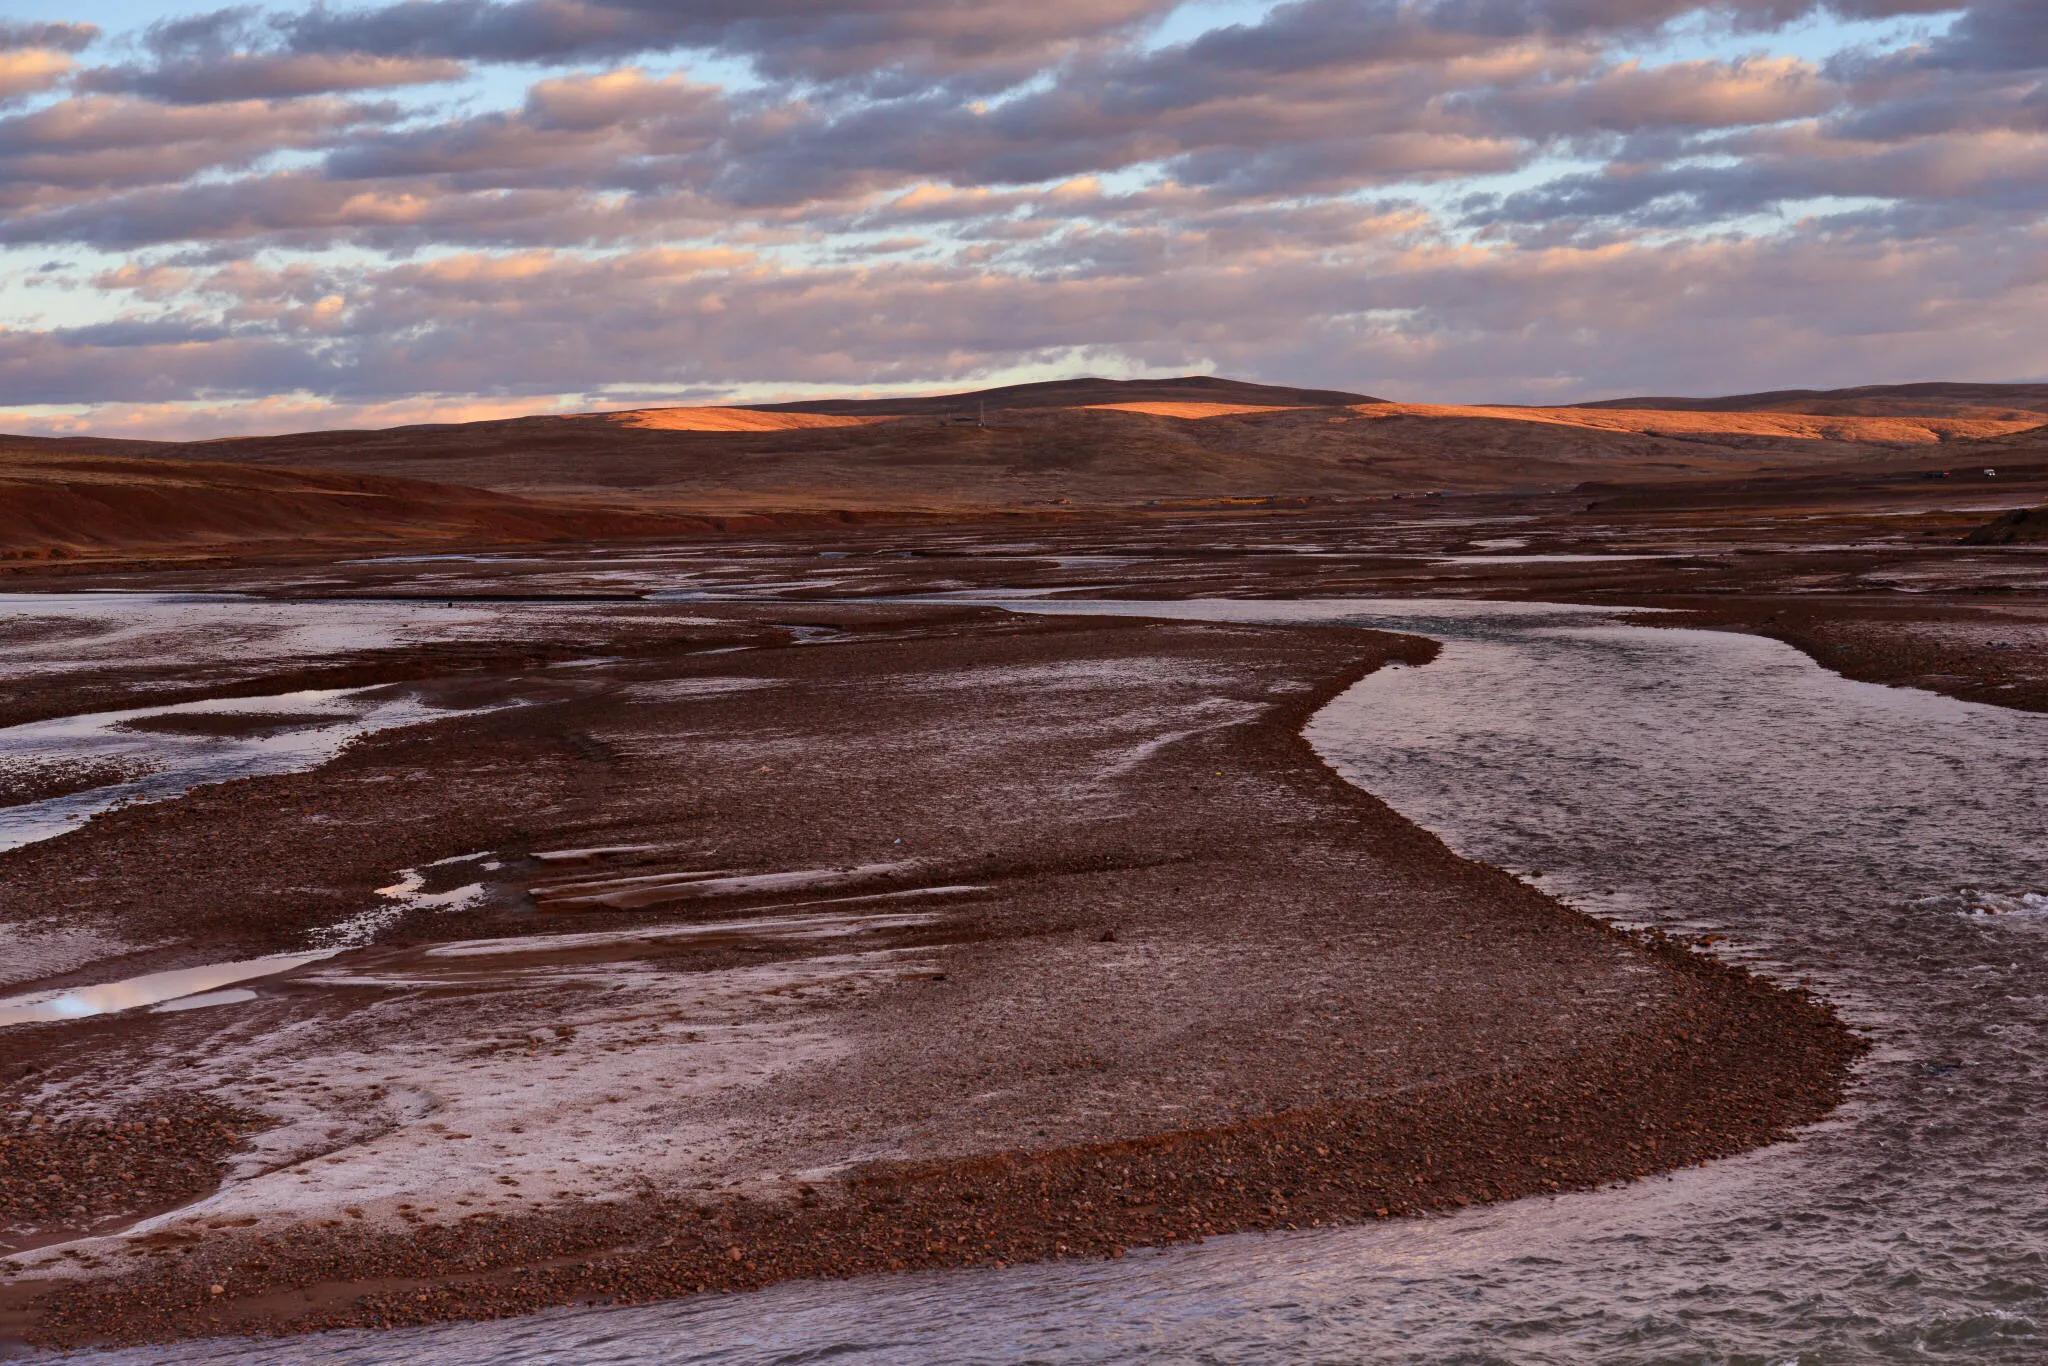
330,210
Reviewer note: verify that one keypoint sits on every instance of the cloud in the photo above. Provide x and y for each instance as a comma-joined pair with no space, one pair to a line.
29,70
100,141
268,76
297,210
57,37
1373,298
1993,35
233,54
1630,98
863,42
341,209
180,421
1990,170
37,57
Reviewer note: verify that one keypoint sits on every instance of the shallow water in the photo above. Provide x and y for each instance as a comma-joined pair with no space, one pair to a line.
98,629
179,988
170,763
1889,845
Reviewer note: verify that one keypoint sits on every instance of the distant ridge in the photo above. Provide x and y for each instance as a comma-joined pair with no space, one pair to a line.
1047,449
1087,392
1942,399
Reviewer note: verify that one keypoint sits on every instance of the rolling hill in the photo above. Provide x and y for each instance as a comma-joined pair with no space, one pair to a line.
1083,393
58,502
1993,401
1088,443
1067,445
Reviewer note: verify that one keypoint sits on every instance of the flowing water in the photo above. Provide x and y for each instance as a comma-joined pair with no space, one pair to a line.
1890,846
155,753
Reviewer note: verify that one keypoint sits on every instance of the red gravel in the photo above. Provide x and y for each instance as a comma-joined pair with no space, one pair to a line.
72,1174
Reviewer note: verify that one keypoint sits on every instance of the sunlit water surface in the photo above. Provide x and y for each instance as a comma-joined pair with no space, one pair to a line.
1889,845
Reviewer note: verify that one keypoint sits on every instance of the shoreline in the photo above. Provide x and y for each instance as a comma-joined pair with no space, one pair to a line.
1723,1061
1927,650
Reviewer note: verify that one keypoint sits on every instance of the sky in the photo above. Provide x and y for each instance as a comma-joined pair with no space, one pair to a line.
280,217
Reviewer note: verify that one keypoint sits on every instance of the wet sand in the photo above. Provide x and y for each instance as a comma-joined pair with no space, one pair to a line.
726,942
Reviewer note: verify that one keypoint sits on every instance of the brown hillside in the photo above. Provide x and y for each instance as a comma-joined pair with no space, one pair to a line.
1082,393
732,420
1768,425
1077,444
1991,401
57,503
1131,452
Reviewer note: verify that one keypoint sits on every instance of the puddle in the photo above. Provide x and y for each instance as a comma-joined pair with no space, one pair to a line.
1561,557
595,851
179,985
232,996
652,889
679,689
400,899
769,929
450,558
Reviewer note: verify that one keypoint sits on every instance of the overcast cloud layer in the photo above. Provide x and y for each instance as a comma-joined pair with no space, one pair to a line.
268,217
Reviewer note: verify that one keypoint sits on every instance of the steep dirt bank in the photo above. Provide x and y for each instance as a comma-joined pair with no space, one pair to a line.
2021,526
